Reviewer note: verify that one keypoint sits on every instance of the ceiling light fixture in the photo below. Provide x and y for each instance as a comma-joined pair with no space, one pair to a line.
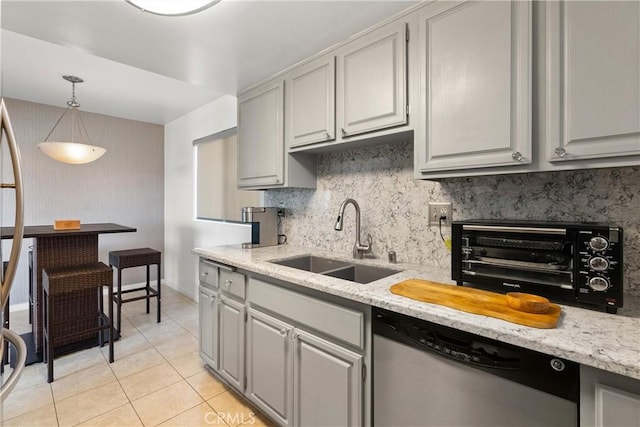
72,152
172,7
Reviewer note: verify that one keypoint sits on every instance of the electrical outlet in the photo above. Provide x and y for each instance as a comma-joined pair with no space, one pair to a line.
438,210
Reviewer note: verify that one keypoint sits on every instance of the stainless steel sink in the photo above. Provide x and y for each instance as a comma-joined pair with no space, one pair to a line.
359,273
313,264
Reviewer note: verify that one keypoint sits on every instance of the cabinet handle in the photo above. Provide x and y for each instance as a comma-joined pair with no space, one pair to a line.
227,283
517,156
295,336
343,132
328,135
212,298
561,152
283,332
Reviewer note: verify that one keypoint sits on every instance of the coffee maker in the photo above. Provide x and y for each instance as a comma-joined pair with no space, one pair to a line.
264,226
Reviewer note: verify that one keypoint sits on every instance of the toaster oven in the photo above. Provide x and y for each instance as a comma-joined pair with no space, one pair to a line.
573,263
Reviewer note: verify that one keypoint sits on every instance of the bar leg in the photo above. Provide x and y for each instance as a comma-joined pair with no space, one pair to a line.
147,288
100,319
110,322
159,296
119,299
49,338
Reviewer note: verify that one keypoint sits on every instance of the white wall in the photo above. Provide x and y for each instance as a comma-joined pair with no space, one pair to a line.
182,231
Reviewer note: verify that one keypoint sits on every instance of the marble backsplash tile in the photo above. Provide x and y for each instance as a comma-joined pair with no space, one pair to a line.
394,205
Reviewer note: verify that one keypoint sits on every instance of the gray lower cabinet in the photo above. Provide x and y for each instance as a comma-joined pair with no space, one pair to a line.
306,357
299,378
608,400
327,383
270,365
208,326
231,362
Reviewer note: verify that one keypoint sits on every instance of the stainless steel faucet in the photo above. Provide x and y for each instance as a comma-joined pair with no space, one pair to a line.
358,249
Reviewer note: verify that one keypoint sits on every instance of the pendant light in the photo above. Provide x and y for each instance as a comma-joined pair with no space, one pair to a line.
71,151
172,7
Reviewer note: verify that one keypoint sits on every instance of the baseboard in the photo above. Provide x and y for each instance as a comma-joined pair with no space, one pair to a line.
18,307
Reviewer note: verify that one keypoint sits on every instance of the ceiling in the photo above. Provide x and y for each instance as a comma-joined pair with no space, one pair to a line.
152,68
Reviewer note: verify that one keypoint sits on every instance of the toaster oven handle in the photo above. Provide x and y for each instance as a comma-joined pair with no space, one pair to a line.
532,230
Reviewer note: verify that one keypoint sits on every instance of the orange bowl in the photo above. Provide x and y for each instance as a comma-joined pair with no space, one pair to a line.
527,302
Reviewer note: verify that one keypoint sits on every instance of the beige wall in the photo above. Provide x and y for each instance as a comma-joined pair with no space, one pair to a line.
125,186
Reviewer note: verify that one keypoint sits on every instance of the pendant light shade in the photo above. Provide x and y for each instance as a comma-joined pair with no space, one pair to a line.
72,152
172,7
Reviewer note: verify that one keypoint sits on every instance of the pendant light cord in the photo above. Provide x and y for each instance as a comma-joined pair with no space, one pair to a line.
54,126
72,104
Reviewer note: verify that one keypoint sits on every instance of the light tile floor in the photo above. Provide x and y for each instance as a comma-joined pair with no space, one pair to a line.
157,378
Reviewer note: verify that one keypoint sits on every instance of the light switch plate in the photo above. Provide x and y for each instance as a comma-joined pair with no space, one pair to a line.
436,210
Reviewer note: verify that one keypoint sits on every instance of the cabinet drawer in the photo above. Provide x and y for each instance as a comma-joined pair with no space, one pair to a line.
208,274
333,320
232,283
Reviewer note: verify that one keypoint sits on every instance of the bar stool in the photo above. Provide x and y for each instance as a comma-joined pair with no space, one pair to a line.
61,281
135,258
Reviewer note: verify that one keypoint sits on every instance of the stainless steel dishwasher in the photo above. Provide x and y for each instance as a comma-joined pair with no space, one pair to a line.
426,374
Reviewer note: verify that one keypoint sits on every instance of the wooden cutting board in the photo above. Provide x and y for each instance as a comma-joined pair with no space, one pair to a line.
475,301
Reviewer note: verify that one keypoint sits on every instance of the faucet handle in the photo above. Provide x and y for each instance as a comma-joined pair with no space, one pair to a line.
369,242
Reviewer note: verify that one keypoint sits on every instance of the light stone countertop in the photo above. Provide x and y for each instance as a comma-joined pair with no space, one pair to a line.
605,341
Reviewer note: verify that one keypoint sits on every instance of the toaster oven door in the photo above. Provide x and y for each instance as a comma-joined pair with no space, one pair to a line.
517,257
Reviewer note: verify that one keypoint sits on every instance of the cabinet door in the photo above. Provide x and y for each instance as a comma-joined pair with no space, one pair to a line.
593,88
310,108
475,72
261,136
231,363
615,407
269,365
208,326
372,81
327,383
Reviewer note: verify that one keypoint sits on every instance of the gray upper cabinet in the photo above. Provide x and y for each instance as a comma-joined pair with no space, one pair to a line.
261,136
475,85
372,81
310,107
262,161
593,79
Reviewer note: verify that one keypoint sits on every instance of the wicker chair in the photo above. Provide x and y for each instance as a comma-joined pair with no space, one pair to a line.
59,282
136,258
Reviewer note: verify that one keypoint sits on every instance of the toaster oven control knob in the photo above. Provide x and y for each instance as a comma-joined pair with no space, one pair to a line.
598,243
598,263
599,284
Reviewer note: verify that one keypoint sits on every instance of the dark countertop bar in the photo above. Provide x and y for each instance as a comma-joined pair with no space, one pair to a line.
48,231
